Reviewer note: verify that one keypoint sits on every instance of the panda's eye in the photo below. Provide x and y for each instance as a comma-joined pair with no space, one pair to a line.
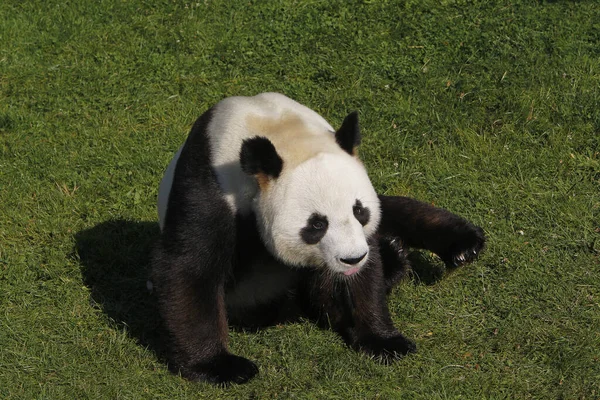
362,214
315,228
318,225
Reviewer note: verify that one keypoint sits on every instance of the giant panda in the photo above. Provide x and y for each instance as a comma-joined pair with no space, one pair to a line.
266,212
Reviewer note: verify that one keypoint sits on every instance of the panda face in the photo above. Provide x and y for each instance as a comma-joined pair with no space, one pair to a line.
320,213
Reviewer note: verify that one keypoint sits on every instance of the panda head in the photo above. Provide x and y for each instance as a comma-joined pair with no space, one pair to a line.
320,212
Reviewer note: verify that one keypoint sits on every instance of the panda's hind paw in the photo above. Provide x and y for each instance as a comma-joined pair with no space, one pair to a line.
388,350
222,370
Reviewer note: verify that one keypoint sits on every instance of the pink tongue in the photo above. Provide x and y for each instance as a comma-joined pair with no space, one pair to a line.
351,271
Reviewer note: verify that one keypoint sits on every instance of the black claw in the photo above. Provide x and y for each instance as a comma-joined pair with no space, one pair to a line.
468,243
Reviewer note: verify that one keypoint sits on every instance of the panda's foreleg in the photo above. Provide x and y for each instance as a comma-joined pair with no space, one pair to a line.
190,265
454,239
357,309
394,260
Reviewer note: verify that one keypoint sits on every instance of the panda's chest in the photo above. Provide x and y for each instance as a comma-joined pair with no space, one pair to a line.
259,282
257,277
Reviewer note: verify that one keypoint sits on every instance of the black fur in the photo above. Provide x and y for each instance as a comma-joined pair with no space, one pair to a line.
362,214
348,136
394,260
258,155
205,251
356,308
420,225
190,268
249,250
315,229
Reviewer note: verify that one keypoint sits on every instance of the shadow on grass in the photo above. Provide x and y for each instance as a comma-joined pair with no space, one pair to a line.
115,265
426,270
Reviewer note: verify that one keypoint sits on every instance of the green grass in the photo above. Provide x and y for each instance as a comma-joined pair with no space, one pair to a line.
488,108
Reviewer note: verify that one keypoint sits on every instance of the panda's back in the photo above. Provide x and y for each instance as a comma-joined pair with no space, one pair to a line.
272,115
297,132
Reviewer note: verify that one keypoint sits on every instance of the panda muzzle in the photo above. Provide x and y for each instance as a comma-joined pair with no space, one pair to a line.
353,261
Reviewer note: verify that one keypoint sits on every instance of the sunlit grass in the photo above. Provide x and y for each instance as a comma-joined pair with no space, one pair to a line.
490,109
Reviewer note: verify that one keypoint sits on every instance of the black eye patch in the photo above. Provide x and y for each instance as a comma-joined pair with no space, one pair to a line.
315,229
362,214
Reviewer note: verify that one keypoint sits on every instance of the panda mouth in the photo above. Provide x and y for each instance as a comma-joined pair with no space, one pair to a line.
353,264
351,271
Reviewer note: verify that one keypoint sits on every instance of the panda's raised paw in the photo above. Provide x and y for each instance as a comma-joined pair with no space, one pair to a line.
222,370
468,243
388,350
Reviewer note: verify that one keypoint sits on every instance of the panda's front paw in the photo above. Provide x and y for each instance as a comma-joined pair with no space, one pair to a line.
222,369
468,241
387,349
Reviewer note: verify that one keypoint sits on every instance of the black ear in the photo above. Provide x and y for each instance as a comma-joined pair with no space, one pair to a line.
258,156
348,136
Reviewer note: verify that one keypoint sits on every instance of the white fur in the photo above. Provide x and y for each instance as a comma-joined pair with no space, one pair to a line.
229,127
238,118
165,189
328,184
318,176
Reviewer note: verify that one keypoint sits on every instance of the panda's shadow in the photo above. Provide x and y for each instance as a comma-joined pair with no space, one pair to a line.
115,265
426,269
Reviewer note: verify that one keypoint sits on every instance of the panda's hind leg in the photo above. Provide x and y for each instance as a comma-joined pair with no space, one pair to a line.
420,225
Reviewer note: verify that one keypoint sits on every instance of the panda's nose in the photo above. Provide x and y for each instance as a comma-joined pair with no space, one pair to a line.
352,261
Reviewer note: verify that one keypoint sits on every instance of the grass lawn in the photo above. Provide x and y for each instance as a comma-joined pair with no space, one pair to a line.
490,109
